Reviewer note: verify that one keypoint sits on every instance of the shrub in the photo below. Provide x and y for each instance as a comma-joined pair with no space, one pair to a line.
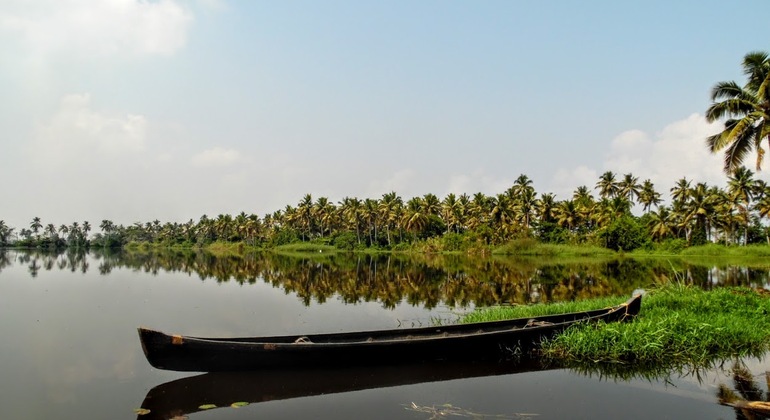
624,234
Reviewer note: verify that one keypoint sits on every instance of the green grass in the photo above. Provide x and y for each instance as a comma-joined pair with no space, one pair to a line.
531,247
498,313
304,248
678,326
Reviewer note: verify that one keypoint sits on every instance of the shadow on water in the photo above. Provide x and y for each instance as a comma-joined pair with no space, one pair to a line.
223,390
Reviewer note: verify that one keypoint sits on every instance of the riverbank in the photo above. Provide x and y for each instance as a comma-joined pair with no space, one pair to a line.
678,326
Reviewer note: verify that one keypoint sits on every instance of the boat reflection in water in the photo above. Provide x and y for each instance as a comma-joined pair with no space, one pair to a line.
221,389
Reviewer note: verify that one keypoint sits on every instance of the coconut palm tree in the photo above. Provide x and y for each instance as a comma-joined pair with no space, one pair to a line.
629,187
746,111
680,190
450,209
659,223
415,219
762,206
648,197
390,208
545,208
740,185
35,226
352,209
567,214
5,233
607,186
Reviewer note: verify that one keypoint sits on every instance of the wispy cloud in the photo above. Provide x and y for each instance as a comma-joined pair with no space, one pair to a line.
106,27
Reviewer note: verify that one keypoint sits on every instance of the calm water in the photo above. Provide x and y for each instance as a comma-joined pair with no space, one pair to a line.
70,348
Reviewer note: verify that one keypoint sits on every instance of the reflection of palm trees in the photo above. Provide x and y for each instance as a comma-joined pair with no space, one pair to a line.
748,399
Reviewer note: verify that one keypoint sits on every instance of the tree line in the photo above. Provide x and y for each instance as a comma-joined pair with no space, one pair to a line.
697,213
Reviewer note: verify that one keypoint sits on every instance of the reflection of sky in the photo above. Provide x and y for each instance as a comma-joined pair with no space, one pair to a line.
75,333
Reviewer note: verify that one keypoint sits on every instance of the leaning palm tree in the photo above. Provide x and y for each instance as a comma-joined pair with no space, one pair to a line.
746,111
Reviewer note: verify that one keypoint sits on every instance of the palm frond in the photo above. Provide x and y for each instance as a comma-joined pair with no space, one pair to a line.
729,89
756,65
736,152
764,89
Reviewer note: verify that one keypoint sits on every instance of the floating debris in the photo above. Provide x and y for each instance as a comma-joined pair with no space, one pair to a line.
446,410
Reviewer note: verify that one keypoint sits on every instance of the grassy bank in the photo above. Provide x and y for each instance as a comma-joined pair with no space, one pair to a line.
531,247
677,326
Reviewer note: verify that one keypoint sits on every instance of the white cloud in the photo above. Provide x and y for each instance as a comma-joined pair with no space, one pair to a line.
104,27
216,157
565,182
76,130
478,181
676,151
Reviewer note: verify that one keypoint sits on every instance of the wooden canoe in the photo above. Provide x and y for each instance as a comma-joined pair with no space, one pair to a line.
485,340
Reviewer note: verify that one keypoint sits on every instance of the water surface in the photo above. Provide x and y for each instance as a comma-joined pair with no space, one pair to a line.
70,348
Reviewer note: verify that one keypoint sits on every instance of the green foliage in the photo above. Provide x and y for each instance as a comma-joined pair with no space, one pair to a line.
453,242
284,237
677,326
530,247
624,234
434,228
345,241
304,247
552,233
402,247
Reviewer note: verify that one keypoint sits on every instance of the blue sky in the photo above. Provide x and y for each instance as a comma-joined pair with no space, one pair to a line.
139,110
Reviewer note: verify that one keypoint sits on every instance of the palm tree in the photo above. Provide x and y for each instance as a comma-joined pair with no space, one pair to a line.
629,187
567,214
324,211
659,223
680,190
762,206
305,215
545,208
740,185
5,233
351,209
607,185
648,196
390,207
86,229
746,111
450,210
415,219
35,226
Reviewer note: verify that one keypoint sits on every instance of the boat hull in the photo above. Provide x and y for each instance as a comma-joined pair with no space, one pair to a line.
489,340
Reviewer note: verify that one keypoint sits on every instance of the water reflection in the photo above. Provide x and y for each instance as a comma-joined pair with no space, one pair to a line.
220,390
421,280
747,397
